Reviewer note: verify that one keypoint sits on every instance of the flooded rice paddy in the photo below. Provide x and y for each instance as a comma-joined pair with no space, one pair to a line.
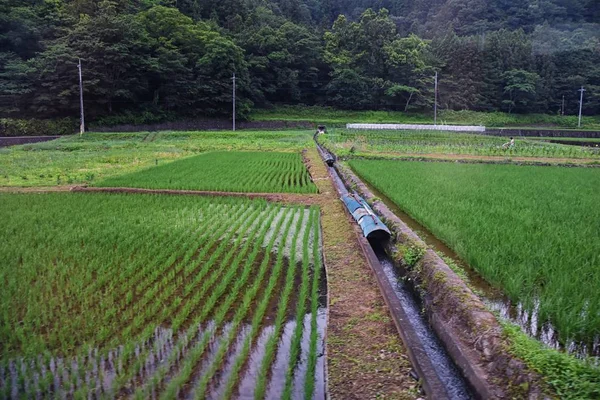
231,312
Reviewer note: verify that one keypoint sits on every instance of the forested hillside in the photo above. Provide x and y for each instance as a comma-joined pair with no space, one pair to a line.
165,58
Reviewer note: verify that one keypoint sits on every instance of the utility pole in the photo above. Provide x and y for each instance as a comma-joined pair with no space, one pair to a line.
234,101
435,101
562,108
580,105
82,124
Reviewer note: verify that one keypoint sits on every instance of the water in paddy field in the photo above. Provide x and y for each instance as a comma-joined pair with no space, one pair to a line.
494,299
125,370
95,373
444,366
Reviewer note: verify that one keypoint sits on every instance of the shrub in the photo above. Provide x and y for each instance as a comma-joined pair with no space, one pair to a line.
37,127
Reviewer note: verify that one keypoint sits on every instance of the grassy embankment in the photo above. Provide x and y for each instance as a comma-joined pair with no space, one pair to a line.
95,156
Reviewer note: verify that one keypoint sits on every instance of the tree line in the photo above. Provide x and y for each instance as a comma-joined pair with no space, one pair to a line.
177,57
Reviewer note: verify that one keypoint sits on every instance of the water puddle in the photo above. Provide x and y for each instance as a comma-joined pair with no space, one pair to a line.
494,299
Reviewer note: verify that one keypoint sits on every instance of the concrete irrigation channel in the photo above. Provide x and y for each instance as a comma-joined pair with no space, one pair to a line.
456,345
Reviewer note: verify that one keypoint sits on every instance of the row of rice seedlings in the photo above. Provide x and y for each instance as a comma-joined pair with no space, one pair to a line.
240,281
61,304
164,289
80,378
207,308
184,311
130,304
242,310
214,236
281,312
131,307
263,304
309,381
300,308
243,171
200,391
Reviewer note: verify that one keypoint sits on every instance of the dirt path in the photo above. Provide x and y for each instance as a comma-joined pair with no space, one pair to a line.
365,356
287,198
493,159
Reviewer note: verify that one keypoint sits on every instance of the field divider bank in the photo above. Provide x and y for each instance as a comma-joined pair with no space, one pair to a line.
471,334
287,198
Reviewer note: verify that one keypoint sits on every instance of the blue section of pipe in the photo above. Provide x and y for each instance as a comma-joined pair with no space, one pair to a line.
369,222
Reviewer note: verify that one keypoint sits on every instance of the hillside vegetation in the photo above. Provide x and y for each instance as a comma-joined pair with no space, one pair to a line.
154,60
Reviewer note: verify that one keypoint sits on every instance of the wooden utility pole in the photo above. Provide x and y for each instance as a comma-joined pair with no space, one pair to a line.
234,101
82,123
580,105
435,101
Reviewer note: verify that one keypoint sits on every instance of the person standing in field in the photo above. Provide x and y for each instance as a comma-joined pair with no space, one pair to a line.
510,144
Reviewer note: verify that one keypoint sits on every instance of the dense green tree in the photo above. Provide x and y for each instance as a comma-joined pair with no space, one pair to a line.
178,56
284,58
519,88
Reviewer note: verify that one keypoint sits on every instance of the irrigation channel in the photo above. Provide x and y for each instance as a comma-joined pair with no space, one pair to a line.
494,299
438,372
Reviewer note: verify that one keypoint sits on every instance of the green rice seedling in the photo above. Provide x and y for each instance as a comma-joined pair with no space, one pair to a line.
223,171
262,306
106,155
309,381
185,311
185,371
242,311
260,389
532,231
385,144
300,310
206,310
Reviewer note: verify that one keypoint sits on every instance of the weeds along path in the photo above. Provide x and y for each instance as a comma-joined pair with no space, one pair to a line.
365,356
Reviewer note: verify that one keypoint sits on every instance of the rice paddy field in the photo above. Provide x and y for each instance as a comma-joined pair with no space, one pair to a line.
225,171
531,231
377,143
94,157
155,296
